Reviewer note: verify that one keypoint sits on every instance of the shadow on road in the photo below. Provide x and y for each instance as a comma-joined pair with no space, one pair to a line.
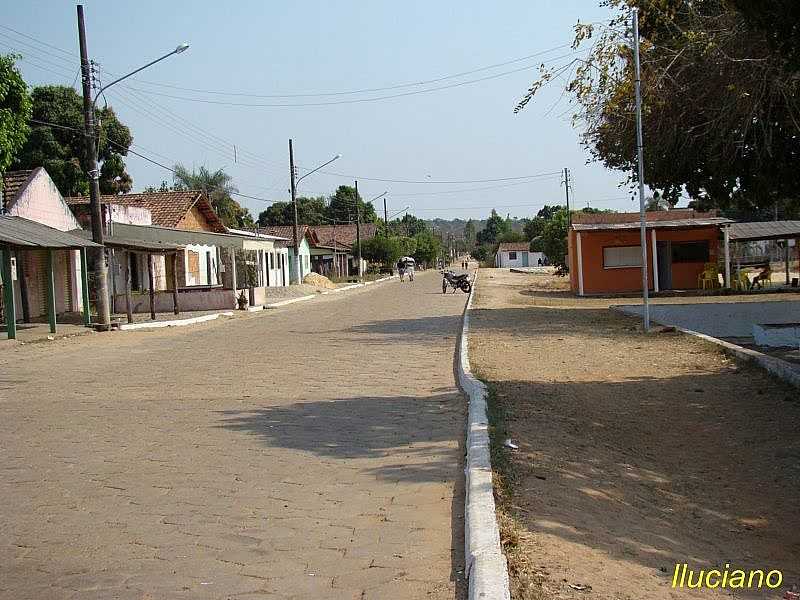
409,438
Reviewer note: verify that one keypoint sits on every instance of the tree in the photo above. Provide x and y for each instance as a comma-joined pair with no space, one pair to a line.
511,236
470,232
427,248
61,149
342,206
656,202
733,62
409,225
15,111
554,237
380,249
496,226
310,211
219,187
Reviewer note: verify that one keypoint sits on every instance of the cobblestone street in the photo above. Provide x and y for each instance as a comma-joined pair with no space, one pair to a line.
309,452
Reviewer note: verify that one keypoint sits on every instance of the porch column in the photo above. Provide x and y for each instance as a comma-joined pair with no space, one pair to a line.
787,255
580,262
655,260
727,237
175,306
87,311
51,292
128,299
8,296
23,287
232,255
152,286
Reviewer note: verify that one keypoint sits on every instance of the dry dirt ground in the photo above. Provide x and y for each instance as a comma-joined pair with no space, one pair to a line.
636,452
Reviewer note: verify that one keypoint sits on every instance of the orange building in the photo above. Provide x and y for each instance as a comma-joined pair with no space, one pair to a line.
605,255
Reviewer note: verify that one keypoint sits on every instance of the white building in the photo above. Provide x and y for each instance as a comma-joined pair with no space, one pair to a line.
517,254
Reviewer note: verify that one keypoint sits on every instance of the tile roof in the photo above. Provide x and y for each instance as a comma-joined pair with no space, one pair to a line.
167,208
345,234
633,217
514,247
13,182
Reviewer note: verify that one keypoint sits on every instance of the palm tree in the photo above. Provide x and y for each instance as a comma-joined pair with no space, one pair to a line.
219,188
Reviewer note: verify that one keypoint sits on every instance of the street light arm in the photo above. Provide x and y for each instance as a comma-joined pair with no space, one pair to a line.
338,156
177,50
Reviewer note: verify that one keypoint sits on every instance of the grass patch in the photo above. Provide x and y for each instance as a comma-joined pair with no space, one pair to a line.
525,579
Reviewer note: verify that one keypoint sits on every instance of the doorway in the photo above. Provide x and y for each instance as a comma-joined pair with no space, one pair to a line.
664,253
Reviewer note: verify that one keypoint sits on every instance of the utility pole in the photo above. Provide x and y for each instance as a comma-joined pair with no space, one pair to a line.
298,277
385,216
99,259
640,160
358,233
566,190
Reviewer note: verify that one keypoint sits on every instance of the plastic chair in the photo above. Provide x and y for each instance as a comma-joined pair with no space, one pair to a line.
709,278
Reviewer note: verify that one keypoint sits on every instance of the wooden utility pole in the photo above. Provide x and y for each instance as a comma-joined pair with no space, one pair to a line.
99,266
151,283
298,277
128,298
385,216
566,190
358,233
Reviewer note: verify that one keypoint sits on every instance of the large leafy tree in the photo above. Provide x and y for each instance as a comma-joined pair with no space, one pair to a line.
61,148
427,247
496,227
721,88
15,111
219,188
342,206
409,225
310,211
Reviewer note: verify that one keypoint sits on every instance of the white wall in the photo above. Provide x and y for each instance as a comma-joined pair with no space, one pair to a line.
206,252
503,260
130,215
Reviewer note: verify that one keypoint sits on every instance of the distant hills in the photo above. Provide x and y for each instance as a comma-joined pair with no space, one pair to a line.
456,226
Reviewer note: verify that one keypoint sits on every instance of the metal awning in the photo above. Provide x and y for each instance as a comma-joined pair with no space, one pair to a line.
766,230
673,224
184,237
125,243
16,231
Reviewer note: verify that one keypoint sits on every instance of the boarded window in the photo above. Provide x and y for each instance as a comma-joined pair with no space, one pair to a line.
690,252
194,264
622,256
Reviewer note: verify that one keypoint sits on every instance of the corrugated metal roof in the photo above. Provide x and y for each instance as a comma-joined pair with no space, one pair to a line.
676,224
129,243
765,230
16,231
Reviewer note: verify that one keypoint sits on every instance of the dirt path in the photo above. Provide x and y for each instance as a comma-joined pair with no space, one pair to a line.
309,452
637,451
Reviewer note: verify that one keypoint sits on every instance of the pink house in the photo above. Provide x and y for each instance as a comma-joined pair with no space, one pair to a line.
32,195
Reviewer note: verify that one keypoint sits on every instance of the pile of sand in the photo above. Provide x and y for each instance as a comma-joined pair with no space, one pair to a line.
319,281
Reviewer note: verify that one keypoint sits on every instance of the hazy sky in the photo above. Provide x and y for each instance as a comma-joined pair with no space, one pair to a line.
308,52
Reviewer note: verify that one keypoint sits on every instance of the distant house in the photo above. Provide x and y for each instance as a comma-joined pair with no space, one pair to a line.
32,195
605,253
517,254
334,250
287,233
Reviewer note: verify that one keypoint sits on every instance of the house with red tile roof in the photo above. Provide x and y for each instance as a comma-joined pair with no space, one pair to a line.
335,251
307,240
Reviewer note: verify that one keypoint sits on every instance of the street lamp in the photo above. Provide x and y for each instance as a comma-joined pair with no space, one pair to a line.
100,268
297,270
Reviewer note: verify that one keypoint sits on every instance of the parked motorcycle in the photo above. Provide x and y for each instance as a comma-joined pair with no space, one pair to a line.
457,282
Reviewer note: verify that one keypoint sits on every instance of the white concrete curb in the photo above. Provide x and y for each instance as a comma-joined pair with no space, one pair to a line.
290,301
486,568
781,368
174,322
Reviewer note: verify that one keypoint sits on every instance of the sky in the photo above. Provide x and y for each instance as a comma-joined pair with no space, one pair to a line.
215,104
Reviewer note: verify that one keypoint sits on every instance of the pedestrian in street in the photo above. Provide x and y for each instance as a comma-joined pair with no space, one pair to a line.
401,270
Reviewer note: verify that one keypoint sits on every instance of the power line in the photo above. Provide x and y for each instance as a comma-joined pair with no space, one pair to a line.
349,101
446,182
359,91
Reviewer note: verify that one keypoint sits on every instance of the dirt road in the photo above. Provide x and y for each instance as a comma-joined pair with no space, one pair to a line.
311,452
637,451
